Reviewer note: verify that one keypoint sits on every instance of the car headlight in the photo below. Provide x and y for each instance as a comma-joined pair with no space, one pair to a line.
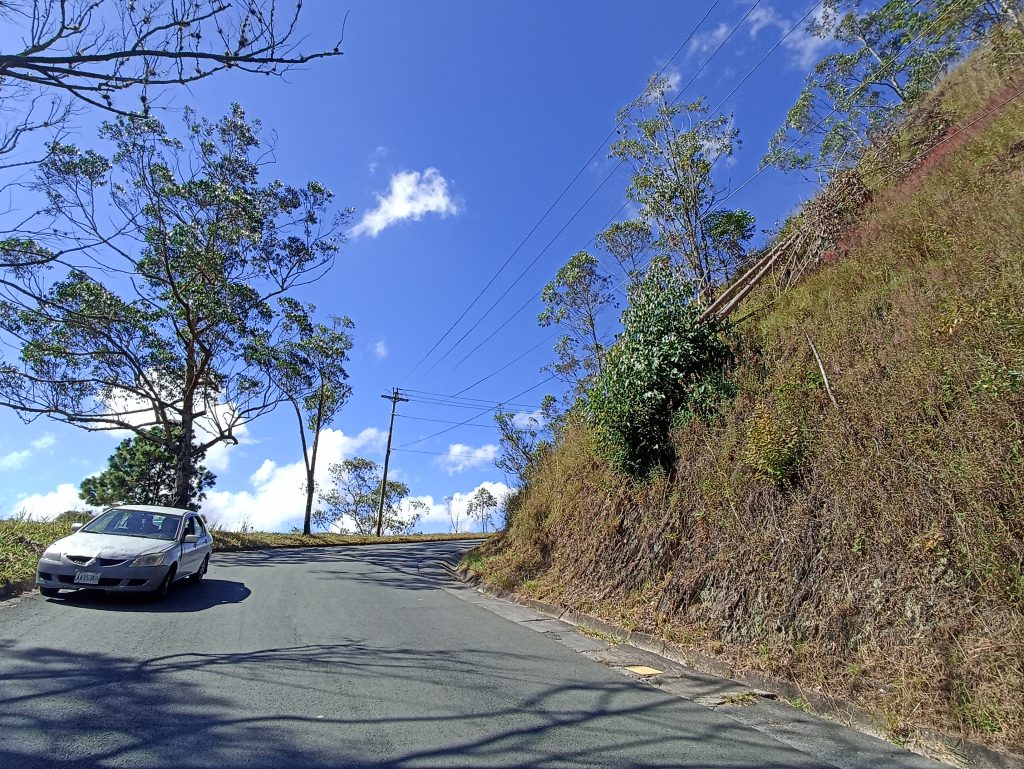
50,554
151,559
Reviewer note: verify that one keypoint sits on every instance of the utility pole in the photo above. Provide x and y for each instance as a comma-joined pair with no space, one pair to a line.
395,398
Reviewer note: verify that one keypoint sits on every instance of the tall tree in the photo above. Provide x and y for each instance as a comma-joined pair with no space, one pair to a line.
672,149
93,52
482,506
308,366
576,301
889,56
143,472
147,296
522,439
631,245
353,495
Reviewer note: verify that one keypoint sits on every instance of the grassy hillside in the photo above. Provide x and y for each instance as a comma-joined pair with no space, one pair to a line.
874,550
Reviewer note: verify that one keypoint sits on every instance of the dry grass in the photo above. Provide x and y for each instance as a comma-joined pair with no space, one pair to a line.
875,551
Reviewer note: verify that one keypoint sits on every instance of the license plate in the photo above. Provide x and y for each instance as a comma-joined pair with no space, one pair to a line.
87,578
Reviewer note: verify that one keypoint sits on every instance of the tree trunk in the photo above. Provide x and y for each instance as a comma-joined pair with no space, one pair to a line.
307,521
183,470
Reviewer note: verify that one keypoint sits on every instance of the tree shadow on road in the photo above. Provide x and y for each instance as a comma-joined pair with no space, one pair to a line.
349,704
407,567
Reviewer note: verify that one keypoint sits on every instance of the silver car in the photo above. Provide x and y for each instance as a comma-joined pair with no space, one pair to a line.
136,548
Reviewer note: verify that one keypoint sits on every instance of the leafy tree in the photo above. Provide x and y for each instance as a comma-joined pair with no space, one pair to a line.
308,366
575,301
890,55
482,506
672,150
60,53
665,366
522,440
142,472
354,495
630,244
148,295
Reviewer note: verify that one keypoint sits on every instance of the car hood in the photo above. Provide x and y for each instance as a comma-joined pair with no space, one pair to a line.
108,545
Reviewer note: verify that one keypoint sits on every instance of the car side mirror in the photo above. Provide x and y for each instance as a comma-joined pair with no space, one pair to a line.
76,526
190,539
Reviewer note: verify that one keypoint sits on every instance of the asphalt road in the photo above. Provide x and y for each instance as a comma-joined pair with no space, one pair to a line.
343,657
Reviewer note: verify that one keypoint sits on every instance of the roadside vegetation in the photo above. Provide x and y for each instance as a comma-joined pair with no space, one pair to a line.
839,501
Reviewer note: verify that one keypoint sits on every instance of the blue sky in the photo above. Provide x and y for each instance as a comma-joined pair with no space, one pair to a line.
451,128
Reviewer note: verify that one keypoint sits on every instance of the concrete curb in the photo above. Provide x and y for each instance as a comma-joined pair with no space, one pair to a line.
931,744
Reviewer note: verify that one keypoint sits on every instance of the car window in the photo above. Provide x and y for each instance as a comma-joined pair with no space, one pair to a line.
190,526
200,527
134,523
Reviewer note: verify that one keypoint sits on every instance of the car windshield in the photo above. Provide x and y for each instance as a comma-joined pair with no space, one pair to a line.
135,523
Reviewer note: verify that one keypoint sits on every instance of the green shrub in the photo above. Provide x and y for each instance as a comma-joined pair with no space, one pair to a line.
665,367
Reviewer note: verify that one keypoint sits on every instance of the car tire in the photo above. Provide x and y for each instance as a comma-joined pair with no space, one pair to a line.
196,578
49,592
165,586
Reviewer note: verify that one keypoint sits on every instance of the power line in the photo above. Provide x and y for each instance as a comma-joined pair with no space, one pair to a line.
558,199
449,400
476,416
483,379
432,453
445,421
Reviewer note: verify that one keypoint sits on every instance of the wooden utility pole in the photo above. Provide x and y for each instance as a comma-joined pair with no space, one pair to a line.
395,398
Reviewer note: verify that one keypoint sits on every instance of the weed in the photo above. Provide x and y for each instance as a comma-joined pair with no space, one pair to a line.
800,704
743,699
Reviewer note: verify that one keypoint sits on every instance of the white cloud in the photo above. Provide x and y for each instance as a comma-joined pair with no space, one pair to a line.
804,48
436,517
707,41
763,16
380,349
378,154
15,460
412,195
51,504
46,442
462,457
673,78
528,420
276,497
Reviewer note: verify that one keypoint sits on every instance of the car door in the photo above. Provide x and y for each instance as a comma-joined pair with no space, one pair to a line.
191,556
204,547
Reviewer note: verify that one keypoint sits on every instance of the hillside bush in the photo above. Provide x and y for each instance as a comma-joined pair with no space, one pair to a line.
664,368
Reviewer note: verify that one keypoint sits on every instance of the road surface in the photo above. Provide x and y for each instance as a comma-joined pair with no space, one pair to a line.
339,657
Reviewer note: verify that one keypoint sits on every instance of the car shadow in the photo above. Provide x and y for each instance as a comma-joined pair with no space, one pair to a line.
183,597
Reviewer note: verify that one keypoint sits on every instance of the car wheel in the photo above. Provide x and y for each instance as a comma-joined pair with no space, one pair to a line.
161,592
198,576
49,592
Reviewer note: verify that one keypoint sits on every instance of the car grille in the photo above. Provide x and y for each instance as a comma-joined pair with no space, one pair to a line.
83,559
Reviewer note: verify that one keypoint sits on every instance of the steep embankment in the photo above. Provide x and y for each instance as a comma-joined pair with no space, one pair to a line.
871,549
